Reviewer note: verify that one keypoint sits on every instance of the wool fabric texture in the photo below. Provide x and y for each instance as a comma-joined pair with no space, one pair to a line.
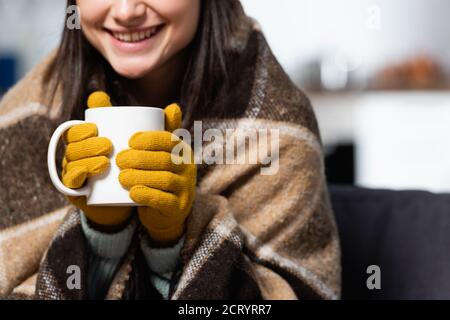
165,187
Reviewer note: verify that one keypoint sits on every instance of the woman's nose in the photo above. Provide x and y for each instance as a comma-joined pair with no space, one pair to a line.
129,13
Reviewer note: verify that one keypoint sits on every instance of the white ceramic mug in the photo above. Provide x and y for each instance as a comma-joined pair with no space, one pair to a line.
117,124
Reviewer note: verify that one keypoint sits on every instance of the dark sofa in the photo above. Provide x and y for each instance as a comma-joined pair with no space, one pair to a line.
405,233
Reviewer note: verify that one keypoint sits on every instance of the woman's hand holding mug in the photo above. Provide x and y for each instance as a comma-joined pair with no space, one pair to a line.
86,156
165,188
144,173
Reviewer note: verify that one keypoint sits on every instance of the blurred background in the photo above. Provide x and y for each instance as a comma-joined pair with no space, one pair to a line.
377,72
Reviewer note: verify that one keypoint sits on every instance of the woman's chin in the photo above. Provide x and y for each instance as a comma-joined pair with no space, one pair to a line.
131,75
132,67
132,72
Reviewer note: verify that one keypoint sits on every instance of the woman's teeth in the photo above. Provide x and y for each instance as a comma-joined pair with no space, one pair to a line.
135,36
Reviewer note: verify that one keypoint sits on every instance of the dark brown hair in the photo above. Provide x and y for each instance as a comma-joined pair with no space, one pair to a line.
79,69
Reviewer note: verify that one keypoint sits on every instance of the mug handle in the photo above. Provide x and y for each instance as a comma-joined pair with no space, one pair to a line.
51,161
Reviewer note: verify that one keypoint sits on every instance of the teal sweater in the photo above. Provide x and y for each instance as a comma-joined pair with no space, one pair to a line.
107,250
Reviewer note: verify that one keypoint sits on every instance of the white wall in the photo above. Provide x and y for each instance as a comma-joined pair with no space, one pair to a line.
30,28
402,141
298,30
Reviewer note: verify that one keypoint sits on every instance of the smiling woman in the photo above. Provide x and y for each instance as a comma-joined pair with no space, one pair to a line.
137,38
206,231
186,42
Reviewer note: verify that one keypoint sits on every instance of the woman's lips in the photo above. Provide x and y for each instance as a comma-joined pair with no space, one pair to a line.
134,40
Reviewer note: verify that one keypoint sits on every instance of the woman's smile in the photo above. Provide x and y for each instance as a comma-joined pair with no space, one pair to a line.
134,40
138,37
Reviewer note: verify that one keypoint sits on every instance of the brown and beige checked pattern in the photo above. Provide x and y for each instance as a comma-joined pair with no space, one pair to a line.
249,235
68,248
30,208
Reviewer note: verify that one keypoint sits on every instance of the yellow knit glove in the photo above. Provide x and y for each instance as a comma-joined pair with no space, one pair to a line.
166,189
86,155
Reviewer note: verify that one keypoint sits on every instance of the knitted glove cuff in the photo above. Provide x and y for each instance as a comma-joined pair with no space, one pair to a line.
161,260
108,245
164,235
